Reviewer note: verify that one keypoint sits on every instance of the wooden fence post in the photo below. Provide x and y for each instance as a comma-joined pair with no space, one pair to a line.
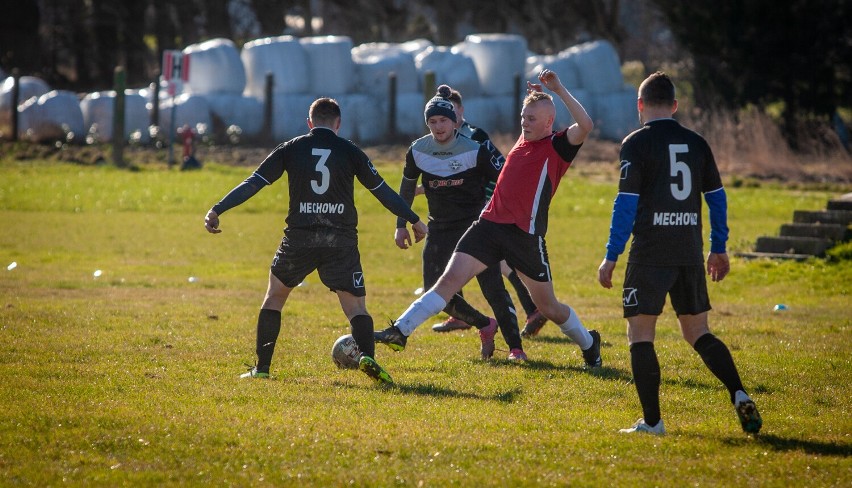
118,118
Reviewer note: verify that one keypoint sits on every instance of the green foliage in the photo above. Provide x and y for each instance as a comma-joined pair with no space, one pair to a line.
842,252
742,54
130,377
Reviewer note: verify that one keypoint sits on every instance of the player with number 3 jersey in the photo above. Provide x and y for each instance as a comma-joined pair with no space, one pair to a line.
321,232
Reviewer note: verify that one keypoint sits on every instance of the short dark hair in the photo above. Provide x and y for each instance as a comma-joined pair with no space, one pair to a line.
657,90
324,111
455,97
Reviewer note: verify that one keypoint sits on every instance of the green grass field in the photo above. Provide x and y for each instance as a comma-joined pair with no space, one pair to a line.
131,377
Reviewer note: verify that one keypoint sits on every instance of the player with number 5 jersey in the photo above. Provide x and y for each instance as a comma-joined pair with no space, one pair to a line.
665,170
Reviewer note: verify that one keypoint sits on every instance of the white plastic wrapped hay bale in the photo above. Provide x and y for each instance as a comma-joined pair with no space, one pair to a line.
331,70
98,109
598,66
284,57
482,112
289,116
563,116
29,87
410,121
452,68
533,60
616,114
53,116
564,65
508,114
215,67
498,58
362,118
374,62
243,112
189,109
416,46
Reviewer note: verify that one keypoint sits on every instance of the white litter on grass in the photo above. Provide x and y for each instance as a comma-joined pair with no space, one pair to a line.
192,279
97,273
12,266
418,291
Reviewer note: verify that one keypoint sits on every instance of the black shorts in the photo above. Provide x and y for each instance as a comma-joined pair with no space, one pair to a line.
437,251
491,243
646,287
339,268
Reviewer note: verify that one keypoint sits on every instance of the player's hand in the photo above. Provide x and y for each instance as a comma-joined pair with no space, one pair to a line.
420,231
419,190
605,273
718,266
402,238
211,222
549,79
533,87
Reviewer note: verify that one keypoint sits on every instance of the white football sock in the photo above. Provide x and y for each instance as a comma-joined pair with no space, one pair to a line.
418,312
574,329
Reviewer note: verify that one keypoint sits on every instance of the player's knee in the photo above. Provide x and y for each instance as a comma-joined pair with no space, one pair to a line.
556,312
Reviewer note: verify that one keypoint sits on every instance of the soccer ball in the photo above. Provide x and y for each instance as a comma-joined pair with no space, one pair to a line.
345,352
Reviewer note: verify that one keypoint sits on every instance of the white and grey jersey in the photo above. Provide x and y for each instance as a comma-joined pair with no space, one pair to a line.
454,177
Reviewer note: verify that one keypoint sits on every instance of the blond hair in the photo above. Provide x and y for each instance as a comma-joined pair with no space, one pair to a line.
537,96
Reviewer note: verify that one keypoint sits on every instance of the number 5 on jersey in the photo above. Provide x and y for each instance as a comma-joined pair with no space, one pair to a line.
679,167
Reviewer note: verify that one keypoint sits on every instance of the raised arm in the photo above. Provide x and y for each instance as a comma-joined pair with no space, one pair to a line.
583,124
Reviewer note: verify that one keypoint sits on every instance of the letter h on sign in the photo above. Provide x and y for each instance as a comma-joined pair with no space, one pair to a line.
175,67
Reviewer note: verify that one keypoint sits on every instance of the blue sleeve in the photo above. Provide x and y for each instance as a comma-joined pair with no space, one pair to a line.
623,215
717,202
241,193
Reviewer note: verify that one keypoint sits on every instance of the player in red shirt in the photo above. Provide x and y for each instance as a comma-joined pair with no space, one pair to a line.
513,224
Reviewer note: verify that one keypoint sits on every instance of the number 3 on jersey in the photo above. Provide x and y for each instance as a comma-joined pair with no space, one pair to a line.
679,167
321,186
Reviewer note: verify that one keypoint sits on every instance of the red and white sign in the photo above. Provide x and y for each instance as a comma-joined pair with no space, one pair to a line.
175,65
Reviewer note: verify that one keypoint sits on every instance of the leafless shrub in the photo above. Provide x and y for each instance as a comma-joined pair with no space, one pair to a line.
750,144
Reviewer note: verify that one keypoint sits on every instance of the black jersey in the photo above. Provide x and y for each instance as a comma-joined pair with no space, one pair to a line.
669,167
454,177
473,132
321,169
480,136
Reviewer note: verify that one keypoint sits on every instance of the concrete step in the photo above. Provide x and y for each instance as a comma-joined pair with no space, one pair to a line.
842,217
835,232
843,202
814,246
840,205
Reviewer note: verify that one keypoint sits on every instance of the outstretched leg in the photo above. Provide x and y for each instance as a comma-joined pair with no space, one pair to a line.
461,269
566,318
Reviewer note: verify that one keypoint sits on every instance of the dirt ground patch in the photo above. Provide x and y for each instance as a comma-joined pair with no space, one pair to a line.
598,157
